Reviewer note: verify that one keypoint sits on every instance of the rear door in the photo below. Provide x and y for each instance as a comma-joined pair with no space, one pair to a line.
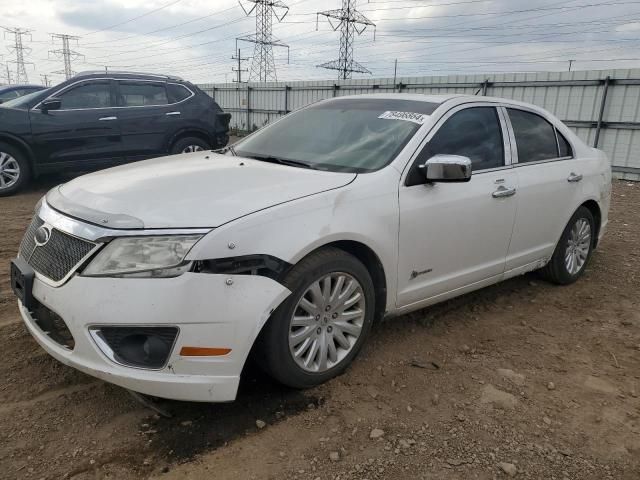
146,117
83,133
549,178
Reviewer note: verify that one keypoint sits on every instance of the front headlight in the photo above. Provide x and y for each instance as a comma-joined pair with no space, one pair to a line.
143,257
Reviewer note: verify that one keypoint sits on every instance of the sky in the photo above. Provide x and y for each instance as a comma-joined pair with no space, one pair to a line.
195,39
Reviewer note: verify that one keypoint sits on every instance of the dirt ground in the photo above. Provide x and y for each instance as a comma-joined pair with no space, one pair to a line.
523,379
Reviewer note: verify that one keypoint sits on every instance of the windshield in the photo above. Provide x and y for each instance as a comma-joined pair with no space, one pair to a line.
348,135
24,101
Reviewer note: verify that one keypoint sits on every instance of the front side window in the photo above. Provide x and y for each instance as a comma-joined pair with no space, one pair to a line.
535,136
88,95
474,133
349,135
142,94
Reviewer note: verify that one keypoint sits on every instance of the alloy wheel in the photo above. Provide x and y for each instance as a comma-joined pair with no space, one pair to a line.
578,246
327,322
192,148
9,171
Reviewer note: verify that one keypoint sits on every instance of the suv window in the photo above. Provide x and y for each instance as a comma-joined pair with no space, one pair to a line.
535,136
177,93
473,132
565,147
87,95
141,94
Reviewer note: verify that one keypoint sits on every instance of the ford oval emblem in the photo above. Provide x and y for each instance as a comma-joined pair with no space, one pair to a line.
42,236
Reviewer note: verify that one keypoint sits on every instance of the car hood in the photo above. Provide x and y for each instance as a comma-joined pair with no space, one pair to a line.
196,190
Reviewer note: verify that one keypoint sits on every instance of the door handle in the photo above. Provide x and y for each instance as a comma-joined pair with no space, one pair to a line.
168,114
573,177
107,119
502,192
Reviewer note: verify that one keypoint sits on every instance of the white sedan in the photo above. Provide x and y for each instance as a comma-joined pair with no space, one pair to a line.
164,275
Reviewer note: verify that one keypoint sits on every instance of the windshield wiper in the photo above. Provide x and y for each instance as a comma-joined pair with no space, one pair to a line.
281,161
228,148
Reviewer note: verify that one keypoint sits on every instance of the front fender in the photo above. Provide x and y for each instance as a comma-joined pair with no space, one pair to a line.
365,211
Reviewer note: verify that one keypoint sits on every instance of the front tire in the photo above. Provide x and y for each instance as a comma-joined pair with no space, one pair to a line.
573,252
189,145
14,170
319,329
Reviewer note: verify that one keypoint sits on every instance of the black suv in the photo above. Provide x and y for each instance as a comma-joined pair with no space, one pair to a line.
97,120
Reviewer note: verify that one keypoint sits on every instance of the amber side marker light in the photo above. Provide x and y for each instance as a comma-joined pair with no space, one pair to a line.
203,352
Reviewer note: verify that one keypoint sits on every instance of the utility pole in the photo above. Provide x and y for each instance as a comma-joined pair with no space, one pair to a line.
65,53
239,70
395,72
45,80
570,64
263,67
19,49
350,22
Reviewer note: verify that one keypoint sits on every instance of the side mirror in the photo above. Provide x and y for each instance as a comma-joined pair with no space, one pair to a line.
50,104
447,168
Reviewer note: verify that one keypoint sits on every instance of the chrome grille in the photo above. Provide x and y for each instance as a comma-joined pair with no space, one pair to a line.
56,258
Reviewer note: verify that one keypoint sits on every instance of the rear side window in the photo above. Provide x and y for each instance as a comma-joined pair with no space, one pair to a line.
142,94
474,133
565,148
177,93
87,95
535,137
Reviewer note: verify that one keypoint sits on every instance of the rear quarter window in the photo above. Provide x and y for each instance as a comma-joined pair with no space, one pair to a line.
177,93
565,146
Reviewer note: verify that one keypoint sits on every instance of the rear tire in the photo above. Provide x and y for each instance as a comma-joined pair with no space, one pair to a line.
189,145
15,171
573,252
330,310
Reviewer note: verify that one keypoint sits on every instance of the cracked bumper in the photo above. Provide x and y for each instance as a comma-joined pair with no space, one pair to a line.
208,312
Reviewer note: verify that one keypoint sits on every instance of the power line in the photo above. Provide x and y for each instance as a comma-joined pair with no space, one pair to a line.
134,18
350,21
263,66
19,49
65,53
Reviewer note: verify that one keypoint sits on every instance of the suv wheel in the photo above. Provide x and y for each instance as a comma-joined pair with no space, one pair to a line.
14,170
316,333
189,145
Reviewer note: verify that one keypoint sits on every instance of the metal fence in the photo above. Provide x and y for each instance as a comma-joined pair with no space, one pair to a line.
602,106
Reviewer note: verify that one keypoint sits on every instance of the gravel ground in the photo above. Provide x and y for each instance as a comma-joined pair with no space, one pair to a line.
524,379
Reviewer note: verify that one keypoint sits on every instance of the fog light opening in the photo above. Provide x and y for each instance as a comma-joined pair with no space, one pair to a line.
141,347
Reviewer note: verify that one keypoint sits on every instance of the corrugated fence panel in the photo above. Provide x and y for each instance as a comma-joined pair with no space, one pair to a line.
574,97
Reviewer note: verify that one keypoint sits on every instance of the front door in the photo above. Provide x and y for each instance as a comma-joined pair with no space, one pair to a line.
83,133
455,235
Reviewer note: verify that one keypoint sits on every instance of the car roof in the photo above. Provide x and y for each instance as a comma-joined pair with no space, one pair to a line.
6,88
451,99
125,74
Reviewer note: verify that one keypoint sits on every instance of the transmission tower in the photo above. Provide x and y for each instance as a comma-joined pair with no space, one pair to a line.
45,80
65,53
20,50
350,22
5,73
263,67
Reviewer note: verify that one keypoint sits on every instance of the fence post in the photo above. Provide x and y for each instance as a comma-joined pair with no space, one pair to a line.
400,87
286,98
603,102
213,93
248,109
485,85
335,89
